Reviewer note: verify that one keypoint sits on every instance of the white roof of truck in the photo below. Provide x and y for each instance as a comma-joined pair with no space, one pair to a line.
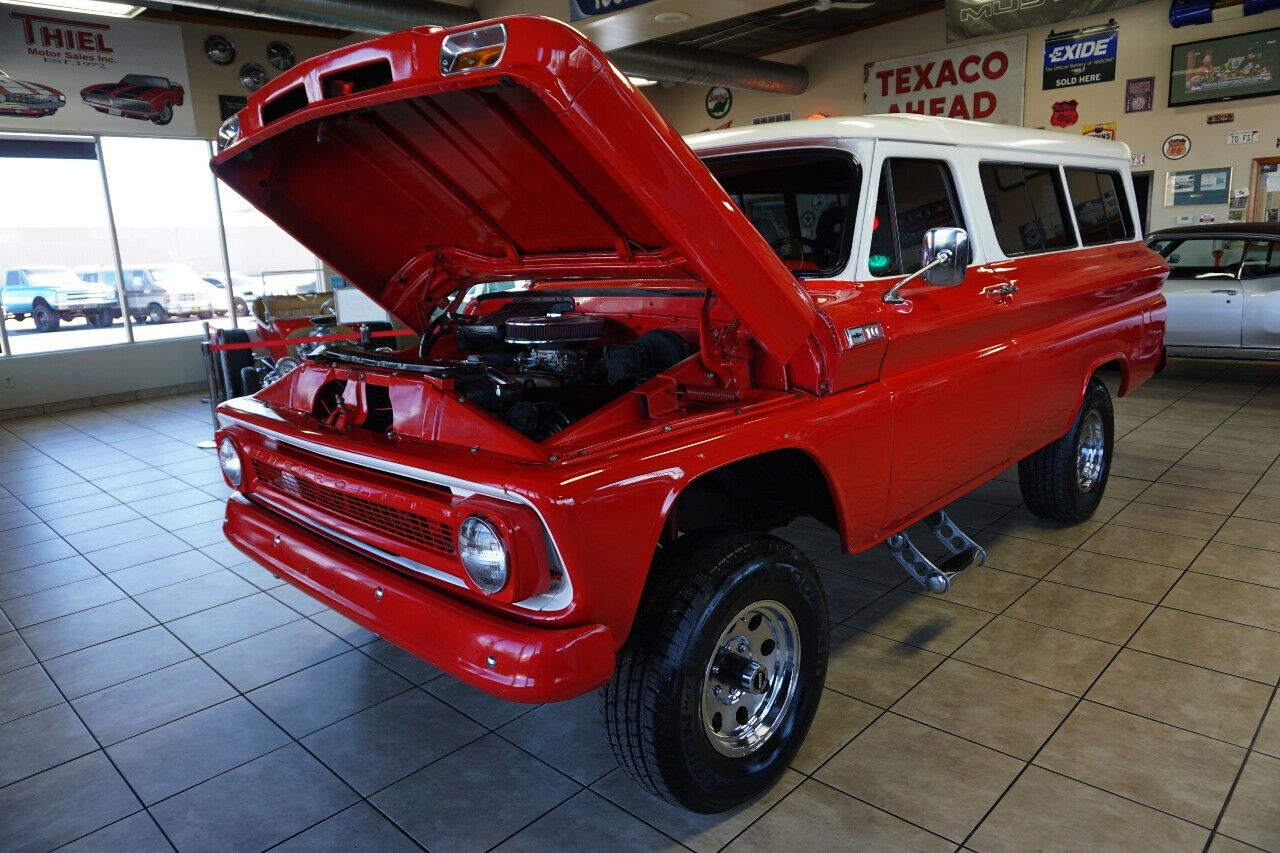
913,128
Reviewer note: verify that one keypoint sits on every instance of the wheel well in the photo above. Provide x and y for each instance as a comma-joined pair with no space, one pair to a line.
1115,375
757,493
38,302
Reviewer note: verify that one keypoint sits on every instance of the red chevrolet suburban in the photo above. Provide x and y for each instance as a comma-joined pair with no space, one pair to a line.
569,485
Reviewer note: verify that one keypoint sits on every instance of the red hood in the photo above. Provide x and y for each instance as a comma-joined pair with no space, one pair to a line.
547,165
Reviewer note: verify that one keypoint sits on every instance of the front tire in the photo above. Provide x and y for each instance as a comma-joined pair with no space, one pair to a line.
47,320
1065,480
165,116
156,313
719,681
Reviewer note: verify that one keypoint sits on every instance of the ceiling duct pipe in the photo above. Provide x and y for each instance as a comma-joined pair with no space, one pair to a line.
674,64
664,62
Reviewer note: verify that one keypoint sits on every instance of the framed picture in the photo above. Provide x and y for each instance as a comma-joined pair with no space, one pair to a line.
1226,68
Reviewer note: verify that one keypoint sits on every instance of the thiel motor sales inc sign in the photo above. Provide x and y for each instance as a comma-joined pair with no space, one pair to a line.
978,81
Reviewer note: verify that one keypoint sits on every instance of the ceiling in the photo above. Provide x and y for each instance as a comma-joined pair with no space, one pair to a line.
770,30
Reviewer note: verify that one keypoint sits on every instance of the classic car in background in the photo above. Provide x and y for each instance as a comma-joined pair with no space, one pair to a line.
141,96
157,292
49,295
246,289
1223,289
22,98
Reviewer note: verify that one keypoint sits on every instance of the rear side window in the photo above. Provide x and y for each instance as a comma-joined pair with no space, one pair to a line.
1102,210
1028,207
914,196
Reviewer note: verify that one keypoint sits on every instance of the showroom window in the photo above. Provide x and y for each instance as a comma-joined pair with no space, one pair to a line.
1028,207
1102,210
92,207
54,219
915,195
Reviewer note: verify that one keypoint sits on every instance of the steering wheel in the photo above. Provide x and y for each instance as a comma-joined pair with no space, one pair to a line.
807,244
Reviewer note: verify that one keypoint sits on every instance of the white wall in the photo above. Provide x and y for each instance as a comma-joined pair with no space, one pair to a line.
1145,38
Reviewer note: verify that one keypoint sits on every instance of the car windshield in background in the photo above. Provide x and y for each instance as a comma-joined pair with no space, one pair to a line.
53,278
801,202
145,80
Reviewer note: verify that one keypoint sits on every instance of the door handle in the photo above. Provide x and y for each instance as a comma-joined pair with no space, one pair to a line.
1000,290
1226,292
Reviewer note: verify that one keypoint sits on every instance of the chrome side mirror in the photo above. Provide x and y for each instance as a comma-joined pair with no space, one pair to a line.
946,255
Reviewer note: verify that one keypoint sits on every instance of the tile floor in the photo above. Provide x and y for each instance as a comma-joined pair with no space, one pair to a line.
1099,686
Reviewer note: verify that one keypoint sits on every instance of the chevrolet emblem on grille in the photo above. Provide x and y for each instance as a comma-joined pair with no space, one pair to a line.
288,482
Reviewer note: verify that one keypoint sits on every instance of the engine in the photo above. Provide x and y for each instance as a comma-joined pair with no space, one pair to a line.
540,372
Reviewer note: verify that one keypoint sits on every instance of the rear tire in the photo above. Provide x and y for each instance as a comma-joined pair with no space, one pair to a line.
100,319
1065,480
716,604
47,320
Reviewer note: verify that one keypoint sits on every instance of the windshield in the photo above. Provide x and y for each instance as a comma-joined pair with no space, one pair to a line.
170,275
54,278
145,80
801,202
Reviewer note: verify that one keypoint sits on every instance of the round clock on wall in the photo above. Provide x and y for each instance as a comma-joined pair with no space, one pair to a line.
220,49
253,76
280,55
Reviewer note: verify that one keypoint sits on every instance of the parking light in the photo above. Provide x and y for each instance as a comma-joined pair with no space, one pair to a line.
472,49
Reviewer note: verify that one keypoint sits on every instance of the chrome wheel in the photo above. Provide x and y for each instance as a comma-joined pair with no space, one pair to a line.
750,682
1091,451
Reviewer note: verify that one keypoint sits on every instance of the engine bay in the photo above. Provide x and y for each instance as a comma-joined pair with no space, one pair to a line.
536,363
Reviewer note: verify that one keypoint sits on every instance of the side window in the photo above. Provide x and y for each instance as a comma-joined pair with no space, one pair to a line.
11,279
1028,207
1102,211
914,196
137,280
1204,258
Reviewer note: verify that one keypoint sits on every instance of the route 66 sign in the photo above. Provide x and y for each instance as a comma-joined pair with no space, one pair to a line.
719,101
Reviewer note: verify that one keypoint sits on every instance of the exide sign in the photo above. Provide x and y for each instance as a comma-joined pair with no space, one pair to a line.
46,33
982,81
1080,57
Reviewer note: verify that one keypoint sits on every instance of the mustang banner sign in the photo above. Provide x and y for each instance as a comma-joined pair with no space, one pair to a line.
65,72
979,81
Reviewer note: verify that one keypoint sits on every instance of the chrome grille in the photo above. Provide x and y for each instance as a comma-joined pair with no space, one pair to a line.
407,526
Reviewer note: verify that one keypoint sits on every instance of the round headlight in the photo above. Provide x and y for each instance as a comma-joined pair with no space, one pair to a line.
483,553
229,459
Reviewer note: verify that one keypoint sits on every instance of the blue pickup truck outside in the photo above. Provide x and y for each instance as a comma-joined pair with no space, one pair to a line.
50,295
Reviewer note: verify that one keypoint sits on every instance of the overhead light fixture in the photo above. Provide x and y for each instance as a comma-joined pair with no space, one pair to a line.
641,82
671,17
103,8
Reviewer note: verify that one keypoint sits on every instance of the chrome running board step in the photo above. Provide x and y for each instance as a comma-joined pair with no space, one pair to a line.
963,552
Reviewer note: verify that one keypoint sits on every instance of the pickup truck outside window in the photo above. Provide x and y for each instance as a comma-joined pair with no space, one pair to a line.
800,202
1102,210
915,195
1028,207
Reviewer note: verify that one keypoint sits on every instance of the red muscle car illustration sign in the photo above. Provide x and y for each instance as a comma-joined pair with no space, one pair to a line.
122,70
142,96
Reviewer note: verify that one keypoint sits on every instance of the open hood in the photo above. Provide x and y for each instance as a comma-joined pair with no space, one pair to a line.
431,159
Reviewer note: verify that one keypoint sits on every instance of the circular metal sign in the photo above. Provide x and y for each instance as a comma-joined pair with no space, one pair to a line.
1177,146
719,101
